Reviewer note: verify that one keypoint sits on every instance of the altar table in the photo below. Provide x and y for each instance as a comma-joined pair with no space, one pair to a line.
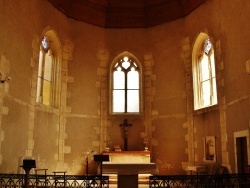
128,156
196,169
127,173
128,165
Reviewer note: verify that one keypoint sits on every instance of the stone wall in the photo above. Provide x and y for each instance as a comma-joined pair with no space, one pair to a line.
61,139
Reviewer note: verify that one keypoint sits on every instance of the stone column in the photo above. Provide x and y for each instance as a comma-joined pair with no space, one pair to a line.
102,84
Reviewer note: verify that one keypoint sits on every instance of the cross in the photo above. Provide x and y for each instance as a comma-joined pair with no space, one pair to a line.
125,126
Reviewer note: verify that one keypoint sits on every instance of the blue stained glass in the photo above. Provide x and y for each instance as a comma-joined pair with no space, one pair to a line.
45,43
207,46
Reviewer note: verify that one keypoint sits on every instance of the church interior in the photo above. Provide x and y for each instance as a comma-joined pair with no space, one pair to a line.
170,78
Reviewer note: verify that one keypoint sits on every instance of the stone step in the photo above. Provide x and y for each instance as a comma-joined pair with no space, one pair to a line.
142,179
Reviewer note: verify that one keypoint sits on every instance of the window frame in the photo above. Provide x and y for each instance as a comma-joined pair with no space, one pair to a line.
140,90
198,54
53,52
42,77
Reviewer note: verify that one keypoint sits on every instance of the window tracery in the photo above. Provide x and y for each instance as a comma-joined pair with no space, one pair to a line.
125,86
204,74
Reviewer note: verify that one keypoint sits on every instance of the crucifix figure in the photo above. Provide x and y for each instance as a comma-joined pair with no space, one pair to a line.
125,126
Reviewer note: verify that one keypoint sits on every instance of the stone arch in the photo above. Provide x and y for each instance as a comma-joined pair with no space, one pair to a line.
126,53
53,36
198,43
63,50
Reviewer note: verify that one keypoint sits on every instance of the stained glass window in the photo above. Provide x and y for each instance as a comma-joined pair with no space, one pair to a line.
207,46
45,43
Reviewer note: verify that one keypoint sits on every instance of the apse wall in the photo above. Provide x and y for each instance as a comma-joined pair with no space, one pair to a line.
164,103
27,129
62,138
230,121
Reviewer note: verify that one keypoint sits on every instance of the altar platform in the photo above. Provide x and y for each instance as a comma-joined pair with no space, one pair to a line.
128,166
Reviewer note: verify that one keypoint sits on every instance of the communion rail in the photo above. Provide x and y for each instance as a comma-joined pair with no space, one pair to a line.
200,181
155,181
51,181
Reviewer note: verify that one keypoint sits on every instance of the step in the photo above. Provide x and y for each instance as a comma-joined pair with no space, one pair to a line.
142,179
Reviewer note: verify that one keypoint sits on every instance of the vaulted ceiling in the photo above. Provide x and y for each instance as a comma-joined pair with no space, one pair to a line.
126,13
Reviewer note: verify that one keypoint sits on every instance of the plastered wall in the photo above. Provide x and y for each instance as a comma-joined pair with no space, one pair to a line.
61,139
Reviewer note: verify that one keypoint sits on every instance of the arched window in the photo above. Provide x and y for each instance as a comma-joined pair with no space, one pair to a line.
204,74
125,84
48,72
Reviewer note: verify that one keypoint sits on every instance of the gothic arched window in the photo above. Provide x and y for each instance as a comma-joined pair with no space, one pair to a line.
204,75
48,77
125,86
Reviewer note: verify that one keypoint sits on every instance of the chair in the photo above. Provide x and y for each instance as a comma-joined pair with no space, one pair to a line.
60,178
41,180
221,170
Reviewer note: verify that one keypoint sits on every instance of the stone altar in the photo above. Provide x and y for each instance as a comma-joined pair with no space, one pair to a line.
128,165
128,156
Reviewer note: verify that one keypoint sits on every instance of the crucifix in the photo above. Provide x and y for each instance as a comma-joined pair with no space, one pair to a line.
125,126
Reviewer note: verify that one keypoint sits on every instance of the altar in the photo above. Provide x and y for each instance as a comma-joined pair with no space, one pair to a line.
128,156
128,165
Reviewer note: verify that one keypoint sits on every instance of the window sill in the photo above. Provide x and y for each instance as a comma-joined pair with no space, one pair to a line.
206,109
126,115
46,108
